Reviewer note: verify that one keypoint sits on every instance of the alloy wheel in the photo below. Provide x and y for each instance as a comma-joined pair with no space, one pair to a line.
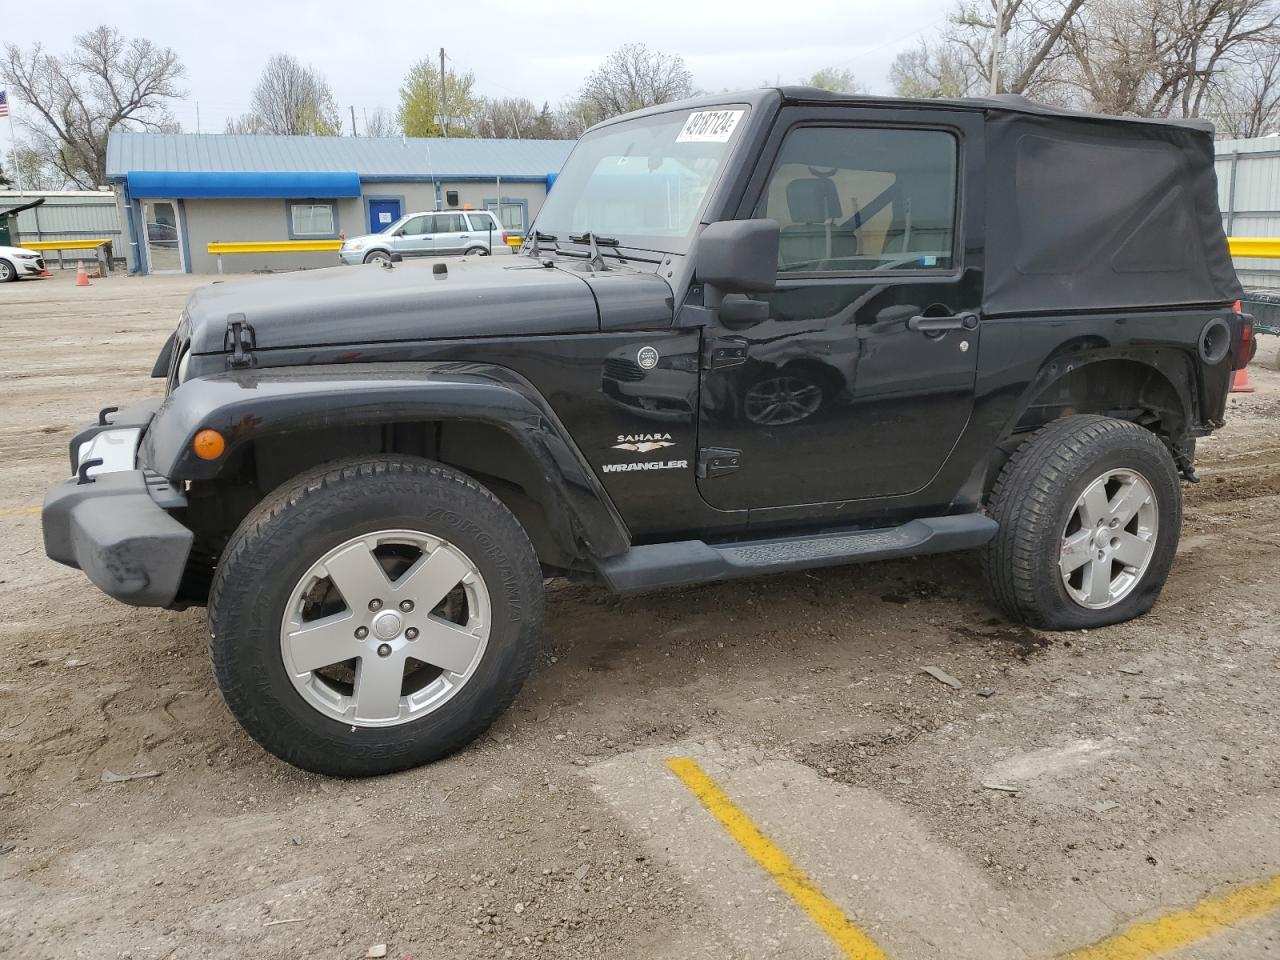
782,400
385,628
1109,539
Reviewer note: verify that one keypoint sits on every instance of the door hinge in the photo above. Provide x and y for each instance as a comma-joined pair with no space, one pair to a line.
239,339
728,352
717,461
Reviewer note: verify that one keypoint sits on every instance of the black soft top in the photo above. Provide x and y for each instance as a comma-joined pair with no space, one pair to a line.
1083,211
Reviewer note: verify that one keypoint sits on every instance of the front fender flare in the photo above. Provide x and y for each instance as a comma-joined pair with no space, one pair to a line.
246,405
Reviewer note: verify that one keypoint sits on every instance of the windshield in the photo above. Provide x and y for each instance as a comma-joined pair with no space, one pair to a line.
644,181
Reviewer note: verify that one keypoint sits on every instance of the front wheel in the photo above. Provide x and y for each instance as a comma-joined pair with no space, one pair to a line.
374,615
1090,510
380,257
7,271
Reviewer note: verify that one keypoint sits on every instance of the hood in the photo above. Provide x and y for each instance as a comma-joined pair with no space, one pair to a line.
481,297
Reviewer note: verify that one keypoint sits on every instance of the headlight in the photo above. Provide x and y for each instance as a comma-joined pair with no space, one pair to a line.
28,256
356,245
182,365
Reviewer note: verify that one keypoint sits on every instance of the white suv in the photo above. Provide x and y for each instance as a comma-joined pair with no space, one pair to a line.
433,234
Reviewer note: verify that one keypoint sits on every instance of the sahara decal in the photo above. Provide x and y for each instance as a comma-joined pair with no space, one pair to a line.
643,442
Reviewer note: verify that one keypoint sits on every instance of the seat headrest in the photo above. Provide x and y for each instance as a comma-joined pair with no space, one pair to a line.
813,200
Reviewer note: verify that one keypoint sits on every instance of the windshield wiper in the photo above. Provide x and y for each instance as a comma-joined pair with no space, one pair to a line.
594,239
539,237
595,243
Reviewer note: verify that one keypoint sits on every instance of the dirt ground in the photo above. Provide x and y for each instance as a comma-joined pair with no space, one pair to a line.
1140,762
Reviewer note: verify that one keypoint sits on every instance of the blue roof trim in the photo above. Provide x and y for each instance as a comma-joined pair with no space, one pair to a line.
238,184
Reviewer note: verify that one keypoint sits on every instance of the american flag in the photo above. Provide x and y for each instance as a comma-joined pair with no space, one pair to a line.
4,103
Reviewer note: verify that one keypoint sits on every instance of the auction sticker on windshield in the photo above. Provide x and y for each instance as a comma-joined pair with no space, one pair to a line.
710,126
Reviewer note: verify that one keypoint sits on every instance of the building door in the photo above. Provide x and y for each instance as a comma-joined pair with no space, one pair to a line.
164,236
382,214
861,379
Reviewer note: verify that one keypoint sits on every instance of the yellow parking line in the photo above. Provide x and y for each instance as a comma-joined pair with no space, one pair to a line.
1154,938
844,932
20,512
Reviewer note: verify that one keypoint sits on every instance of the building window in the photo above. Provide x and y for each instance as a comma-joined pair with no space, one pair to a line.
510,214
313,219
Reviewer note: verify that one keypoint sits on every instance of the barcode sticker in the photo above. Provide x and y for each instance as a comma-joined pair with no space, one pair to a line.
710,126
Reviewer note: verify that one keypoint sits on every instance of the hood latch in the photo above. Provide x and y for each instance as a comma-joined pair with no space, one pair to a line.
240,341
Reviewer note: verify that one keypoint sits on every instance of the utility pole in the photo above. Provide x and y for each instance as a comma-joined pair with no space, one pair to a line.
444,110
997,43
353,121
197,116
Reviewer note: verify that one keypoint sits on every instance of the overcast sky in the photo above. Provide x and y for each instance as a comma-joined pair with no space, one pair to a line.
541,50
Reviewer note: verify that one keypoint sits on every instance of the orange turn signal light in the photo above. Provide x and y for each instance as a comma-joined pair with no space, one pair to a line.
208,444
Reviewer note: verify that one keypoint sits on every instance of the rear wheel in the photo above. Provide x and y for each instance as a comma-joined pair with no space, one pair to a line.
374,616
476,252
1090,511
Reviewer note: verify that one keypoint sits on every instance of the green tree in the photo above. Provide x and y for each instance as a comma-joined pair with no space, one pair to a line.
836,80
420,113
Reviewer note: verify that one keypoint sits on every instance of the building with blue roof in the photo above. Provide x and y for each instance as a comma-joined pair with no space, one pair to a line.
178,192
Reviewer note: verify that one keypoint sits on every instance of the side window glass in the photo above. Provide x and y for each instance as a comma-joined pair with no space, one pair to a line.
449,223
857,199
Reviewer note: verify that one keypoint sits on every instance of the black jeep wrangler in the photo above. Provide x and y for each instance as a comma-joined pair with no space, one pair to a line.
747,334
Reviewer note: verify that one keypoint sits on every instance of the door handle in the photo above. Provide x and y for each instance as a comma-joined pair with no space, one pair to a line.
959,321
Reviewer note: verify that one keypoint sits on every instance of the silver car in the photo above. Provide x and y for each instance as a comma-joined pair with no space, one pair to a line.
434,234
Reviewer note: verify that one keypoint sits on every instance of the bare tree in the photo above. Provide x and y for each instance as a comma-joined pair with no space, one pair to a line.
932,71
630,78
1166,58
1246,102
511,118
289,98
836,80
1030,38
73,101
380,123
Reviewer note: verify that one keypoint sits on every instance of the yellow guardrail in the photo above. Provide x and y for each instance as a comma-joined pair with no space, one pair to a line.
1262,247
274,246
42,245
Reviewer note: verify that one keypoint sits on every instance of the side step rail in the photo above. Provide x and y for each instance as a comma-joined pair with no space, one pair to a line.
695,561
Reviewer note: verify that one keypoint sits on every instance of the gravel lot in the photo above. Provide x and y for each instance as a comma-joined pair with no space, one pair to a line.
1142,758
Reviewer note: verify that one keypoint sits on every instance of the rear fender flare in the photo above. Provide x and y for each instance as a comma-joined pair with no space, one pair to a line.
248,405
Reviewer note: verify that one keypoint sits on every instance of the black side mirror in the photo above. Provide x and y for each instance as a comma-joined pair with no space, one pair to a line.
738,256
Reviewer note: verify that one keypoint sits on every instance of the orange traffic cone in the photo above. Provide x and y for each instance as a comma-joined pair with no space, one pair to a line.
1240,382
82,275
45,272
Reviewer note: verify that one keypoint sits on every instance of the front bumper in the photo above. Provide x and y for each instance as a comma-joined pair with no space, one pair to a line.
352,257
116,526
27,267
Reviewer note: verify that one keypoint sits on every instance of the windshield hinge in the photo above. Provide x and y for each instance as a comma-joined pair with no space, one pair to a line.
239,340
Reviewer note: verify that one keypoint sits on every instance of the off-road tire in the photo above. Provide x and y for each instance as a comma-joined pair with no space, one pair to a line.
1033,498
313,513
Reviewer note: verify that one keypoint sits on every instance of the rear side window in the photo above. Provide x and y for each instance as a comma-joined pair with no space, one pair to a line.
857,199
449,223
483,222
